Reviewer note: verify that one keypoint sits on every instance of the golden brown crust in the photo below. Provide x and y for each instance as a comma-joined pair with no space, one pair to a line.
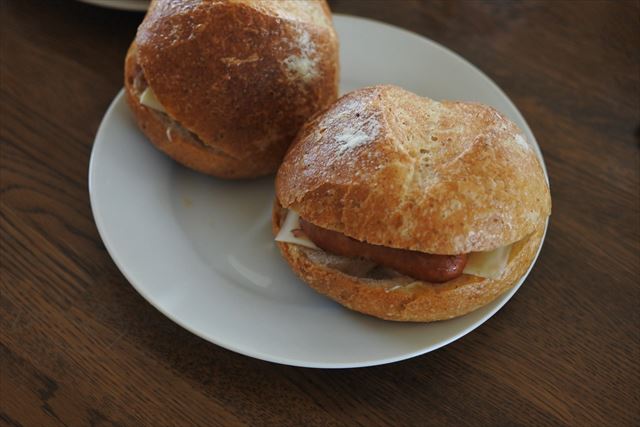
401,298
242,76
385,166
181,145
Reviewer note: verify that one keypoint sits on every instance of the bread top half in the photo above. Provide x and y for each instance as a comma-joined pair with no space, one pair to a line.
242,75
388,167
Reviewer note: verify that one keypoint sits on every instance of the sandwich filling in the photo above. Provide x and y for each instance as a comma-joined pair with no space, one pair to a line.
418,265
148,99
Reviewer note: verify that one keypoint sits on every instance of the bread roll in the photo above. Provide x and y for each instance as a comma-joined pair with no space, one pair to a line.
234,79
387,167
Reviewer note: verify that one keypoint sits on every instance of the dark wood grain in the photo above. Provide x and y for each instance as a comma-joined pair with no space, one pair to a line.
78,346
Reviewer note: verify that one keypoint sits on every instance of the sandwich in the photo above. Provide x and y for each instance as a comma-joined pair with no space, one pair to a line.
223,86
410,209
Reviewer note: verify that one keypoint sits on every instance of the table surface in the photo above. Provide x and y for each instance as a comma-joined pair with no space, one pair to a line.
80,347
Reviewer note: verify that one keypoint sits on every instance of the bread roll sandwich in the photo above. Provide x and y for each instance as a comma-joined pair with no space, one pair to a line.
409,209
223,86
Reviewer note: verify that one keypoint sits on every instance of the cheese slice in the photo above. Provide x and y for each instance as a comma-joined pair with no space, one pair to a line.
489,264
291,232
149,99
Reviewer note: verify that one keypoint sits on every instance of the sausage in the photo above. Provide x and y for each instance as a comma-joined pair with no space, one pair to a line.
419,265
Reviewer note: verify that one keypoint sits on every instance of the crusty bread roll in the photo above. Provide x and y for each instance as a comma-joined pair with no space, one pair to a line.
236,79
390,168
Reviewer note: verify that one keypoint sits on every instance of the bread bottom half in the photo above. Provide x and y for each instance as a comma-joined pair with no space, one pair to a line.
361,286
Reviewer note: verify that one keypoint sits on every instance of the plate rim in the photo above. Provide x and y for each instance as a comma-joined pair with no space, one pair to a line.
119,98
127,5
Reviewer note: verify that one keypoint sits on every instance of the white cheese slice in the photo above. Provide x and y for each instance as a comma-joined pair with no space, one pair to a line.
489,264
149,99
292,225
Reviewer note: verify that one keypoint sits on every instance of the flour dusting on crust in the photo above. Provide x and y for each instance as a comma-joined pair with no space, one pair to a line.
350,139
352,126
304,64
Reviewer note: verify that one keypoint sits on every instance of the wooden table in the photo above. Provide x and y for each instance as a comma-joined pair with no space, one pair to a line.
80,347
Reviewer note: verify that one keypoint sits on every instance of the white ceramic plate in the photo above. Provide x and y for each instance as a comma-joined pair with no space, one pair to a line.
135,5
201,250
